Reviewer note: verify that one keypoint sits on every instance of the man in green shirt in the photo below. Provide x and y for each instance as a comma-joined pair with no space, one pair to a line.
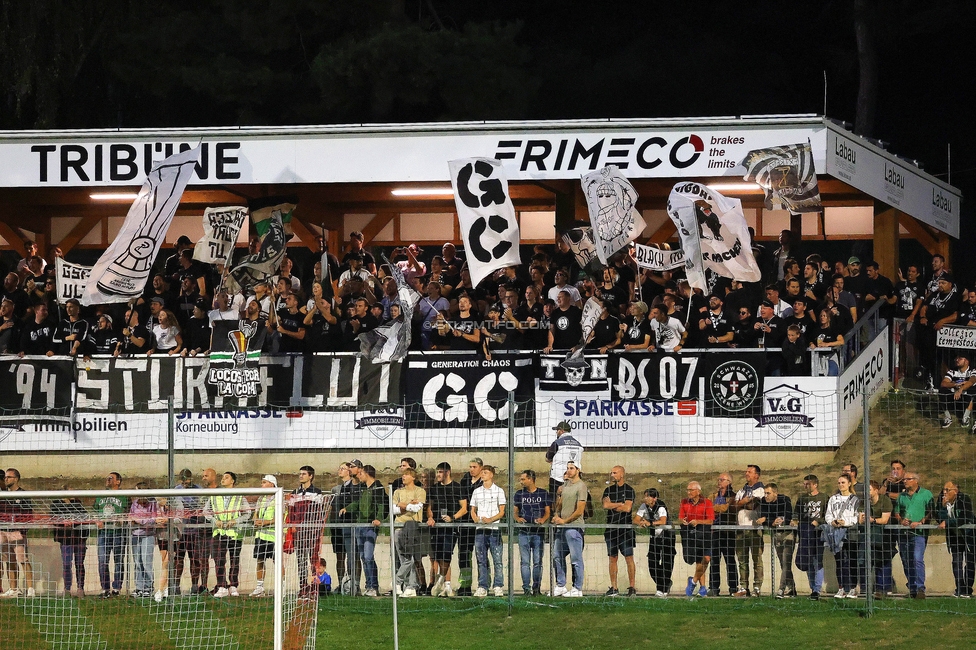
370,511
916,507
111,514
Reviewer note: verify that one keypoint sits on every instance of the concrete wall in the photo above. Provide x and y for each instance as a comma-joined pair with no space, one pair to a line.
47,569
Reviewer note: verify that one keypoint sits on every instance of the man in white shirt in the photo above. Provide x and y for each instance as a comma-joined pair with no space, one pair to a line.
487,508
749,543
562,279
223,310
669,333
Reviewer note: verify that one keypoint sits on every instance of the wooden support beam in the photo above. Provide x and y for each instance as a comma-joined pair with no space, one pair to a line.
376,225
308,237
14,237
886,239
919,231
663,233
81,229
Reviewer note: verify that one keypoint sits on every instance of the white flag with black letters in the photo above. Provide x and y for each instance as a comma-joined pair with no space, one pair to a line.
486,215
714,234
70,280
220,229
612,202
123,269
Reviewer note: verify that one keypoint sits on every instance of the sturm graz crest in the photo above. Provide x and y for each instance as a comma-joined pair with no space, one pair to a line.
734,385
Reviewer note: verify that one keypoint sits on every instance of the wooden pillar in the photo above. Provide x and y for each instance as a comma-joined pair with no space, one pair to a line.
886,239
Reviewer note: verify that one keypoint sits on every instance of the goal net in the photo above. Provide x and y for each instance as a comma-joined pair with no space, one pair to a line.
151,568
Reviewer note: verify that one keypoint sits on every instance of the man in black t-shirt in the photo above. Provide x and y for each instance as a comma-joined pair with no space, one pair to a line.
290,326
716,331
446,503
606,332
909,293
36,336
879,288
565,330
618,501
71,333
465,538
136,339
940,309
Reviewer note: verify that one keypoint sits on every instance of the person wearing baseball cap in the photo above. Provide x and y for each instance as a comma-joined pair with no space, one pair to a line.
956,392
564,449
264,516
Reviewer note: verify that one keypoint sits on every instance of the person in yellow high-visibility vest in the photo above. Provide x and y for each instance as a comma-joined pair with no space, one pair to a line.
264,515
227,515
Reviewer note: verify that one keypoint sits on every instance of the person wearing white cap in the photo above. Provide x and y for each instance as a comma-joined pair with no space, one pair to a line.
264,515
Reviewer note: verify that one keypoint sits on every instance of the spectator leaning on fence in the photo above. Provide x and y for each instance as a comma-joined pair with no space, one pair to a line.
916,507
533,508
14,553
955,513
618,501
568,538
228,514
749,542
775,514
879,510
653,513
446,504
488,508
811,508
696,517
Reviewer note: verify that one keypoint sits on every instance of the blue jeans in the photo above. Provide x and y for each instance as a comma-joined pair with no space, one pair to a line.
366,546
142,559
882,571
530,552
485,541
568,541
73,554
111,543
911,548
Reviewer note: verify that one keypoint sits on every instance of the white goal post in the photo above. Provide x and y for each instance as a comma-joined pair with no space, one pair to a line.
44,591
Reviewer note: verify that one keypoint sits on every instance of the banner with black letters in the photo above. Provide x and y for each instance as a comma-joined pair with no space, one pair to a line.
221,227
70,280
469,391
486,215
656,259
35,387
728,384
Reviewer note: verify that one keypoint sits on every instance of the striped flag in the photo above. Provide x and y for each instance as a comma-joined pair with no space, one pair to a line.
263,209
788,176
390,342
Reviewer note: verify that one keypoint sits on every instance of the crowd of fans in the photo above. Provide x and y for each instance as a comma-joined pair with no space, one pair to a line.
442,521
803,301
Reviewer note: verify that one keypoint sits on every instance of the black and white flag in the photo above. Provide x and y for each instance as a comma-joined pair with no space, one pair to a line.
580,242
70,280
612,202
714,234
221,227
123,269
656,259
788,176
486,215
260,266
390,342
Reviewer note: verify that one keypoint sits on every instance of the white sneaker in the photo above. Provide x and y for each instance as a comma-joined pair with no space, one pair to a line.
438,587
399,590
448,591
10,593
371,593
234,592
30,592
158,596
852,594
498,592
660,594
258,591
221,593
559,591
481,592
573,593
409,592
840,594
